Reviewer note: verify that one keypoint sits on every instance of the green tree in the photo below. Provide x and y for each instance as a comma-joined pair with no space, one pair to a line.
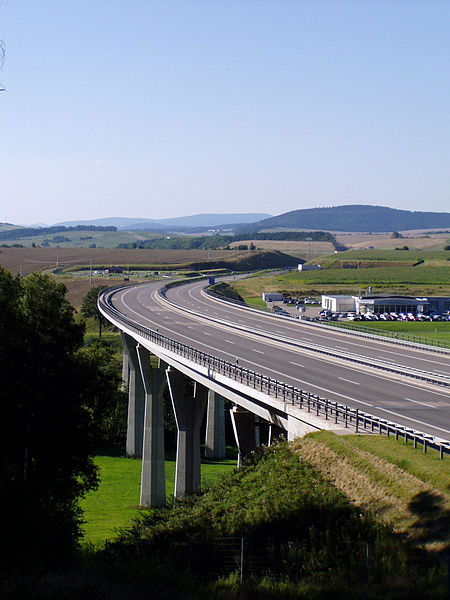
47,431
89,307
108,402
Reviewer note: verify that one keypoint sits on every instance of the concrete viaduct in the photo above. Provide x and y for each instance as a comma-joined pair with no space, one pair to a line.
154,359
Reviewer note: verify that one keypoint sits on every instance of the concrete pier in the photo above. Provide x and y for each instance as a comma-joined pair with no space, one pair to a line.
244,431
153,476
188,415
136,399
215,426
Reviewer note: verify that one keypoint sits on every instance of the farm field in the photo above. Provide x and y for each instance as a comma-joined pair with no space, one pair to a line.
295,248
84,239
37,259
415,241
116,501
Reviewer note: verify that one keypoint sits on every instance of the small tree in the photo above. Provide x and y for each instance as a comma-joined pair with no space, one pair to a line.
89,307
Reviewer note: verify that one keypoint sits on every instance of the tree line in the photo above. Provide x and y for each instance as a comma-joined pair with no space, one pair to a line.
220,241
21,232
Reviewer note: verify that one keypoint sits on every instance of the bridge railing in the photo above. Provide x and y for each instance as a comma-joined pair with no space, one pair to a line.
349,417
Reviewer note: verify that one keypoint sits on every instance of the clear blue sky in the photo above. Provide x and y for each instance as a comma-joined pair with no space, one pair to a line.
160,108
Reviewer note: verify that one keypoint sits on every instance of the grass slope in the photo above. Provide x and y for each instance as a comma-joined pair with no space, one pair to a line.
399,484
308,511
330,495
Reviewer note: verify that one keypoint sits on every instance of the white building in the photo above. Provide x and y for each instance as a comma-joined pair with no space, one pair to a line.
302,267
339,304
272,296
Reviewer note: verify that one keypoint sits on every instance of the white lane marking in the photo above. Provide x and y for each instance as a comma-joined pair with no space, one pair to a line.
228,341
412,419
296,364
258,351
349,381
417,402
345,367
206,333
321,334
316,334
189,327
284,374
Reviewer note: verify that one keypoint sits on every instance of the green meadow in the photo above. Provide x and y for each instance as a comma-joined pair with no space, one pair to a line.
116,501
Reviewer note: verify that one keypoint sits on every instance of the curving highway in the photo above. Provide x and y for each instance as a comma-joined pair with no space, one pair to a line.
233,333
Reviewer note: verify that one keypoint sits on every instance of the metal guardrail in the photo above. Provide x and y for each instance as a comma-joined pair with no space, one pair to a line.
439,346
324,350
414,339
351,418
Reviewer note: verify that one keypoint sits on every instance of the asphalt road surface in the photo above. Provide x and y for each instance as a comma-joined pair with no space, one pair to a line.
405,401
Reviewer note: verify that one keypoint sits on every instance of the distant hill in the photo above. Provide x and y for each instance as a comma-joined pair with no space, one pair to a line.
353,218
200,220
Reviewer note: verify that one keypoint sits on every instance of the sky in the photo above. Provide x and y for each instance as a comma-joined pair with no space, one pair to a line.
157,109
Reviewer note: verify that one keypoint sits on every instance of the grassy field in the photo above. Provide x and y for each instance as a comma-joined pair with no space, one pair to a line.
387,255
405,329
116,501
386,280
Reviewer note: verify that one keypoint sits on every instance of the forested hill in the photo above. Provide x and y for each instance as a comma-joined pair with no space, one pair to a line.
358,218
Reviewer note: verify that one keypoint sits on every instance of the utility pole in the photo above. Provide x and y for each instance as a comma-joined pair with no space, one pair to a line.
309,240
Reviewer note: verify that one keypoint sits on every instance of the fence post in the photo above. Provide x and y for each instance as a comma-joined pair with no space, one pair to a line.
357,417
367,571
242,560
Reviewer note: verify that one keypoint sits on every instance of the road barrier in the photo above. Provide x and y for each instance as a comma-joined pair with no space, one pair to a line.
351,418
397,338
384,365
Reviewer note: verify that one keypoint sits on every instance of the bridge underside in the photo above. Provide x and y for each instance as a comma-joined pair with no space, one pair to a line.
145,429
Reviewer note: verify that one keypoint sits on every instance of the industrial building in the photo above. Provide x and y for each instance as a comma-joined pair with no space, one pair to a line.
379,304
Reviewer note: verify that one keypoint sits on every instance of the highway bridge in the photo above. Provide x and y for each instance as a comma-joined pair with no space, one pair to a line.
295,375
